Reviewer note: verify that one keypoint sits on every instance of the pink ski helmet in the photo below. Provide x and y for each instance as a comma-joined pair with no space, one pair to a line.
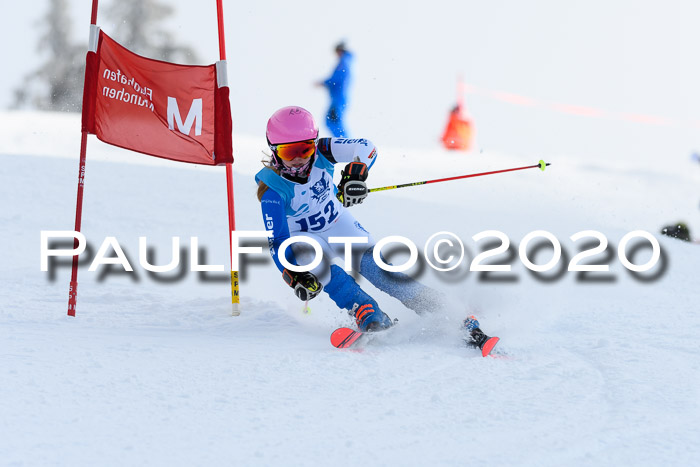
290,125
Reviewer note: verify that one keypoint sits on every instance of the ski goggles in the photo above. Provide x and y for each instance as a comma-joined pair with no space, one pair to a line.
290,151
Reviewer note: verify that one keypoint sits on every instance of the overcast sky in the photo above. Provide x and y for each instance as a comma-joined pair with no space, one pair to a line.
618,56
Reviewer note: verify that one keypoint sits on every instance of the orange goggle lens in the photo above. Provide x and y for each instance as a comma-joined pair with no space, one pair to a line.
291,151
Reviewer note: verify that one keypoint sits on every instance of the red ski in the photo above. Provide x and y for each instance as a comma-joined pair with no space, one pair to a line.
343,338
488,345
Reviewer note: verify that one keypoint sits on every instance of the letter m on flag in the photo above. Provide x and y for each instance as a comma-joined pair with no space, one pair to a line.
138,103
193,116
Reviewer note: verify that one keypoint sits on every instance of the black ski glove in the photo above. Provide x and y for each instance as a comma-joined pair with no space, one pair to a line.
305,284
352,188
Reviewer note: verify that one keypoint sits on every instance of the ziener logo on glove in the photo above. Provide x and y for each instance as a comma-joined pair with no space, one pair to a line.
355,190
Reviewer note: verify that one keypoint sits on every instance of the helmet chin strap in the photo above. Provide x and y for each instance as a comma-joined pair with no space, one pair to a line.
300,172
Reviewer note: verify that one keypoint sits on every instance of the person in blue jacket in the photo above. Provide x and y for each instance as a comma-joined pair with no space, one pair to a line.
338,85
298,198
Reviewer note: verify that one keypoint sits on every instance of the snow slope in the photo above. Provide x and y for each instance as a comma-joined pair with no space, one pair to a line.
154,371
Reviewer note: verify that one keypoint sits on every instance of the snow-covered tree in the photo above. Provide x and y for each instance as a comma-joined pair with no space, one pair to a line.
58,83
138,27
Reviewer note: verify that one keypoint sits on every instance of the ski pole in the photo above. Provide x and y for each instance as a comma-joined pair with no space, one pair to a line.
541,165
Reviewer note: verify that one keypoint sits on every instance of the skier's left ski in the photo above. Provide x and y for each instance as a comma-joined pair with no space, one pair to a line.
481,341
488,345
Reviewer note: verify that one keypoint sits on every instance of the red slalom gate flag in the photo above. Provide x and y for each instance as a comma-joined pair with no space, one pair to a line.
177,112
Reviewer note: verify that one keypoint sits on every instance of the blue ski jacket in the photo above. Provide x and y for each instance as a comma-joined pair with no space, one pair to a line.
339,82
290,208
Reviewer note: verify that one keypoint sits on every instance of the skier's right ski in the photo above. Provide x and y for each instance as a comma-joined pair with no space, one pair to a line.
343,338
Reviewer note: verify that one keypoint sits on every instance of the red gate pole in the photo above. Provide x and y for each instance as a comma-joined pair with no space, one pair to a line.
73,287
235,298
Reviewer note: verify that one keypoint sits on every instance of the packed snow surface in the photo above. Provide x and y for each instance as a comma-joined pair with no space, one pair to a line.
598,368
